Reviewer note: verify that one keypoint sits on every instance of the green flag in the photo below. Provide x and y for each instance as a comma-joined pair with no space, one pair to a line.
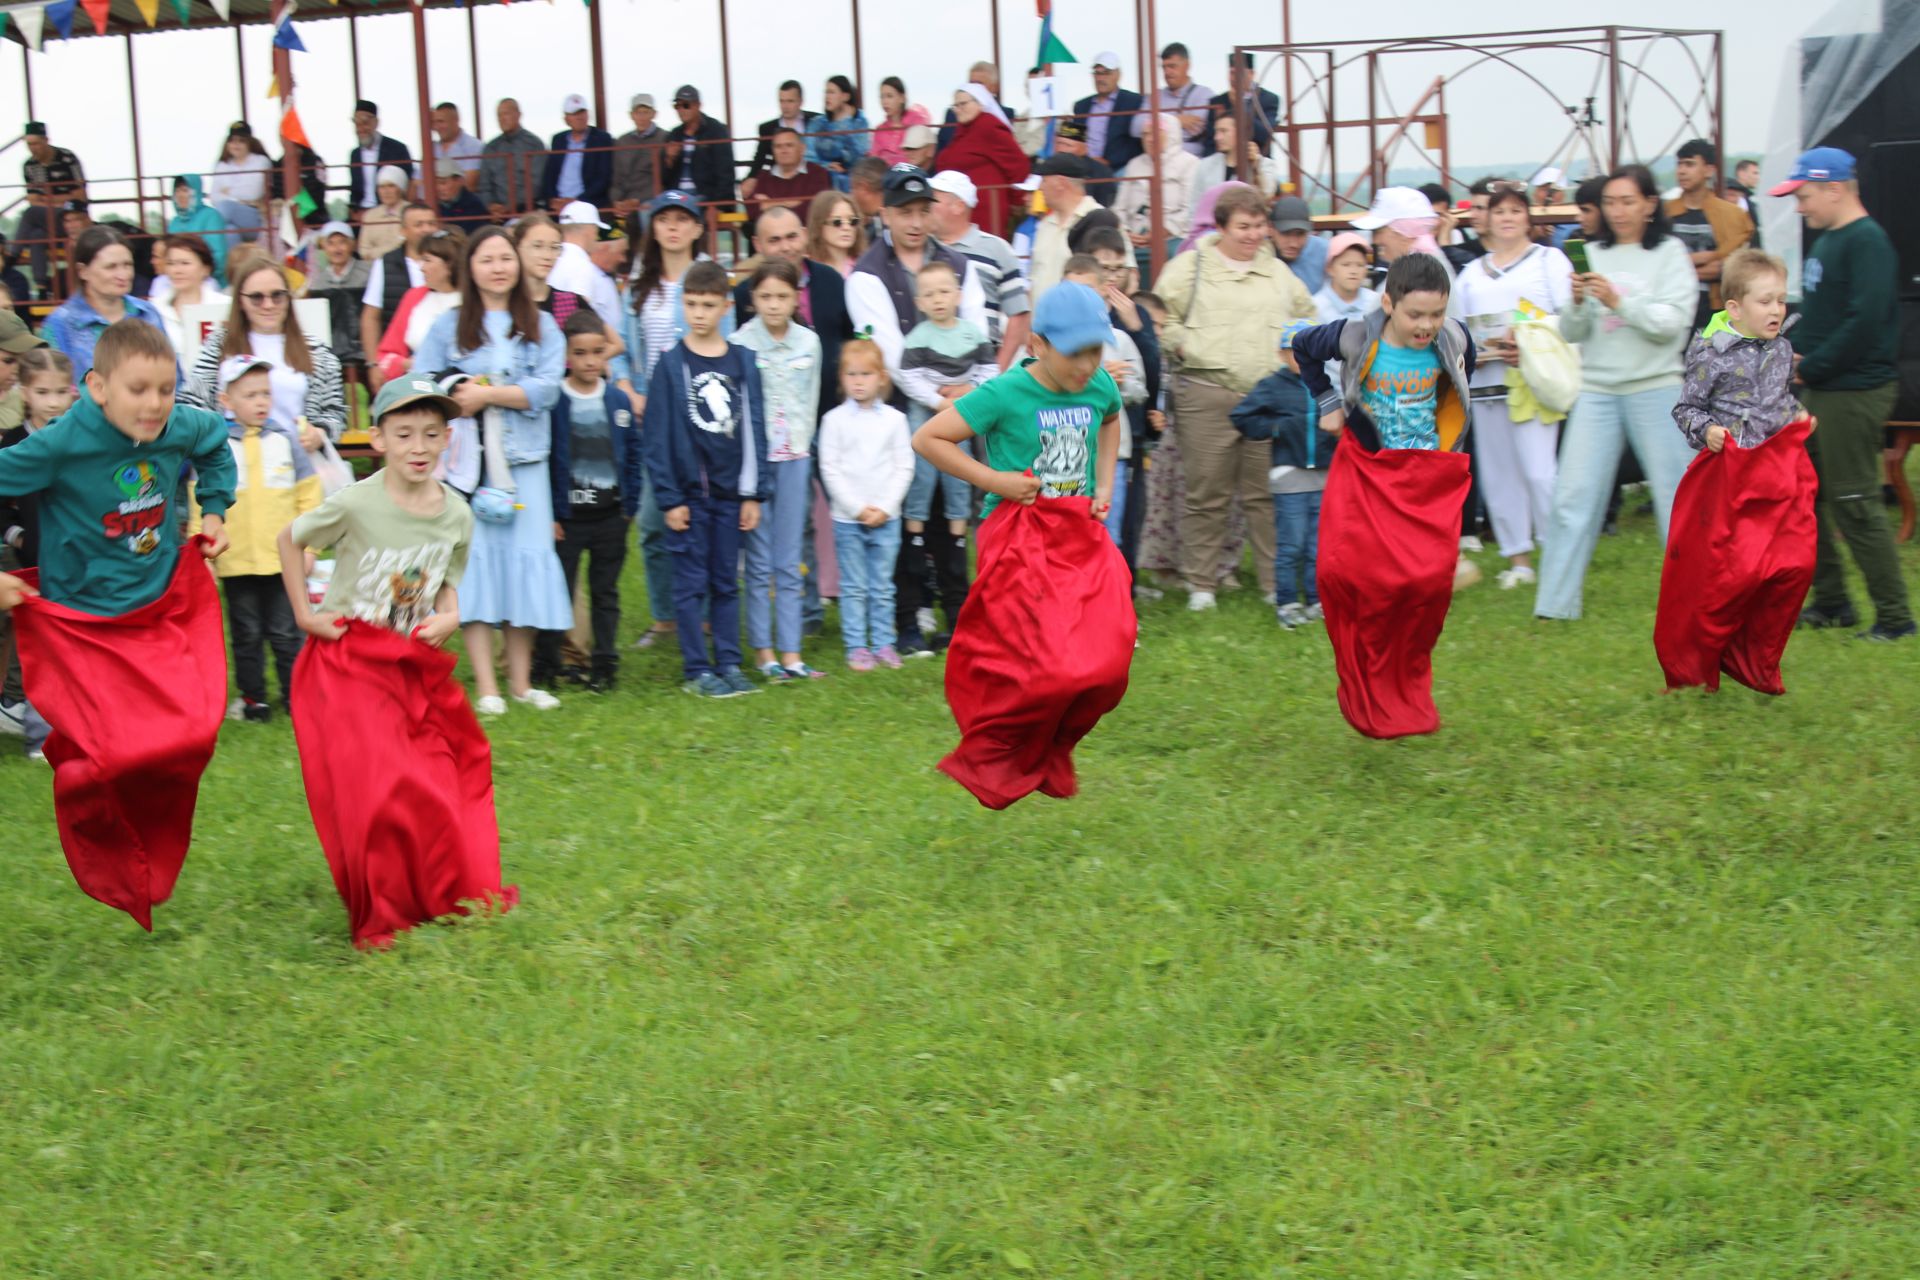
1054,51
185,9
303,203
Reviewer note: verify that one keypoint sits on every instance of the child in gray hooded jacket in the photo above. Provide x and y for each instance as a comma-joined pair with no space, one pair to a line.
1739,378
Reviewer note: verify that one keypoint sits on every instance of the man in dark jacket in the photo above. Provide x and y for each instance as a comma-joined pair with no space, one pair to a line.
371,150
1262,106
1104,116
704,164
581,164
458,206
791,116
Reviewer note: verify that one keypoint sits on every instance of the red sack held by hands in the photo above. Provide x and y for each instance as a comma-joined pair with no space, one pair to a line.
399,781
1740,554
1041,650
1389,541
135,703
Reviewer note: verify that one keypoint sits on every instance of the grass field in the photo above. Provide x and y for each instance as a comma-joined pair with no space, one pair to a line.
1596,982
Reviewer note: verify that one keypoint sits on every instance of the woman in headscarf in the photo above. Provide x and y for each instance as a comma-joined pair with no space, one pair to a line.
983,148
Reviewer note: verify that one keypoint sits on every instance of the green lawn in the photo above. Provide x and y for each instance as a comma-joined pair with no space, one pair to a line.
1596,982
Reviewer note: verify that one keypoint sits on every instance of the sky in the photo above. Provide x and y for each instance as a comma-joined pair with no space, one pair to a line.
188,92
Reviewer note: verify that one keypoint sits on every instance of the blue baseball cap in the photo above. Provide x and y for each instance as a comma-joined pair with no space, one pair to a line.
1072,318
685,201
1292,331
1822,164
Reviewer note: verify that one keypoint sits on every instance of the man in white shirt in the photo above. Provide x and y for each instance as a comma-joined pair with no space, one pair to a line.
580,229
377,302
456,144
880,295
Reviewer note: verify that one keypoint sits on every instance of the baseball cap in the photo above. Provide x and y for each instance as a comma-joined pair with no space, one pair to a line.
233,367
916,137
1547,177
15,337
1347,240
571,103
1029,183
402,392
686,93
1392,204
1293,330
1062,167
1108,59
336,228
1290,213
905,184
955,183
639,100
675,199
445,168
1070,131
1822,164
1072,318
579,213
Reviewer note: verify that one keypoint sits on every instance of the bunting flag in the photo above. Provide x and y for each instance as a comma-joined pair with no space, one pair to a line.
291,129
185,9
222,7
97,13
273,88
3,26
285,37
149,9
32,24
62,14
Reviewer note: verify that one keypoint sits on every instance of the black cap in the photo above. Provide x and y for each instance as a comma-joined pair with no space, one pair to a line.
686,93
1062,167
35,129
905,184
240,129
1071,130
75,205
367,105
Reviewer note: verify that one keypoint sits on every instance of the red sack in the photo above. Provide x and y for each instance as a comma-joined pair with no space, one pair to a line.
1740,552
135,703
1389,541
1041,650
399,781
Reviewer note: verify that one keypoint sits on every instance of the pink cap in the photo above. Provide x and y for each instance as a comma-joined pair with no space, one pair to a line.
1347,240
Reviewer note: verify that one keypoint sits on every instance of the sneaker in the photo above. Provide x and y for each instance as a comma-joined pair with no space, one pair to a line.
773,673
574,675
1292,614
36,753
888,656
491,705
600,683
801,671
1881,633
1145,592
912,649
708,685
237,710
1471,546
1230,583
1200,601
13,717
1465,573
860,659
926,621
812,628
1269,597
1814,618
538,699
257,712
736,679
1518,575
1315,613
651,637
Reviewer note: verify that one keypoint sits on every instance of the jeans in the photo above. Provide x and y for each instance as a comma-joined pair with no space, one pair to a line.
866,582
1598,431
1296,546
1846,454
260,616
773,558
956,497
656,557
243,218
33,230
1117,513
603,541
706,583
813,609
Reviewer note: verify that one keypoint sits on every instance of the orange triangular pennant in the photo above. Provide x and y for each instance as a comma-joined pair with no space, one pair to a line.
292,130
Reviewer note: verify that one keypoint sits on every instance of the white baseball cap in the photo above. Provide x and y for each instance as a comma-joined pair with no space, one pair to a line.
956,183
1547,177
1108,59
571,103
916,137
1392,204
234,367
581,214
639,100
336,228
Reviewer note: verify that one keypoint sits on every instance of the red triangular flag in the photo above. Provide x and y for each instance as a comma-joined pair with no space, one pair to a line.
292,130
97,10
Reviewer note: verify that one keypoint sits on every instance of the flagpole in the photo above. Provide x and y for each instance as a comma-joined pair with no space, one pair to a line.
289,159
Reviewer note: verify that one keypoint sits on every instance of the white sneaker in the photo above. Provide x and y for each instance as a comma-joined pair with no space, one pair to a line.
491,705
1268,597
13,718
1199,601
1145,592
37,754
1472,546
237,709
927,622
538,699
1519,575
1465,573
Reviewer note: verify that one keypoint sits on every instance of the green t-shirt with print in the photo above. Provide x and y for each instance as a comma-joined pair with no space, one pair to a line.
388,564
1054,434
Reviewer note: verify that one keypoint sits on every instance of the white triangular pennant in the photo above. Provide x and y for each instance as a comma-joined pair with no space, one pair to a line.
32,22
222,7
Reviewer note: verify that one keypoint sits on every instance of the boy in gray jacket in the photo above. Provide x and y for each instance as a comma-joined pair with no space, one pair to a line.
1739,379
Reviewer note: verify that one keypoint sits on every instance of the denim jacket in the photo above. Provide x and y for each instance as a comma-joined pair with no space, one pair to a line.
790,376
535,368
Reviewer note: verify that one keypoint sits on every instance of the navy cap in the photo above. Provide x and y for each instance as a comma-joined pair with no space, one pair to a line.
1822,164
905,184
1072,318
685,201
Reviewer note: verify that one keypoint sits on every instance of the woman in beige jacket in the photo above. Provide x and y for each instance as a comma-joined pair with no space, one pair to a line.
1227,301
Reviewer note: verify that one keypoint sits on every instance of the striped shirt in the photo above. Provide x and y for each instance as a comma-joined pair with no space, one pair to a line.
1000,279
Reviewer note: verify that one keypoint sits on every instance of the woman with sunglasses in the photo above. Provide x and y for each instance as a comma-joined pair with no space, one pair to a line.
836,234
103,265
305,376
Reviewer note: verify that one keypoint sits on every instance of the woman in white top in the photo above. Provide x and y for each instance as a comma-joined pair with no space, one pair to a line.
1513,447
1179,170
238,185
307,391
1255,166
188,260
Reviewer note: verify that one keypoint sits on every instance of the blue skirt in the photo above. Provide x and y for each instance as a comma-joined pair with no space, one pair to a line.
513,574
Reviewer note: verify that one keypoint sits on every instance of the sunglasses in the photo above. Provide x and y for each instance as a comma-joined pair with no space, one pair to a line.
277,297
685,106
843,222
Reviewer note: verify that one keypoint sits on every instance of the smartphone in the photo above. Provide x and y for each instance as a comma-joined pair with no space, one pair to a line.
1576,251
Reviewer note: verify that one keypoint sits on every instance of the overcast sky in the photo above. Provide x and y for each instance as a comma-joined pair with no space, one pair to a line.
189,93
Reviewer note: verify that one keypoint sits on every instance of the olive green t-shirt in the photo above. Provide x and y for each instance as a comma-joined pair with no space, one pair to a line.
389,564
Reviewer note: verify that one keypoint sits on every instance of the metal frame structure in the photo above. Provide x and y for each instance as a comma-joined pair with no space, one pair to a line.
1619,53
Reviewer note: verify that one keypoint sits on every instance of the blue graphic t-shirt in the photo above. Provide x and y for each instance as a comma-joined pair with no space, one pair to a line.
1401,394
1054,434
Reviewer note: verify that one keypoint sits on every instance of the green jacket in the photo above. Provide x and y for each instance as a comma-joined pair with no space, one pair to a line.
205,222
109,528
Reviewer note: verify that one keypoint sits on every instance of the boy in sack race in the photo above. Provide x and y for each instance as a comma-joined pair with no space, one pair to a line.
1390,514
119,629
1743,541
399,776
1045,640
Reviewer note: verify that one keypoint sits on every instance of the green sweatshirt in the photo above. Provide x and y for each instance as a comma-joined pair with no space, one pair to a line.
1849,328
109,533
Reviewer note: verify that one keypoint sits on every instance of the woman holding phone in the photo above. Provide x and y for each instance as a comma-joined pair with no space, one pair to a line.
1515,440
1631,313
